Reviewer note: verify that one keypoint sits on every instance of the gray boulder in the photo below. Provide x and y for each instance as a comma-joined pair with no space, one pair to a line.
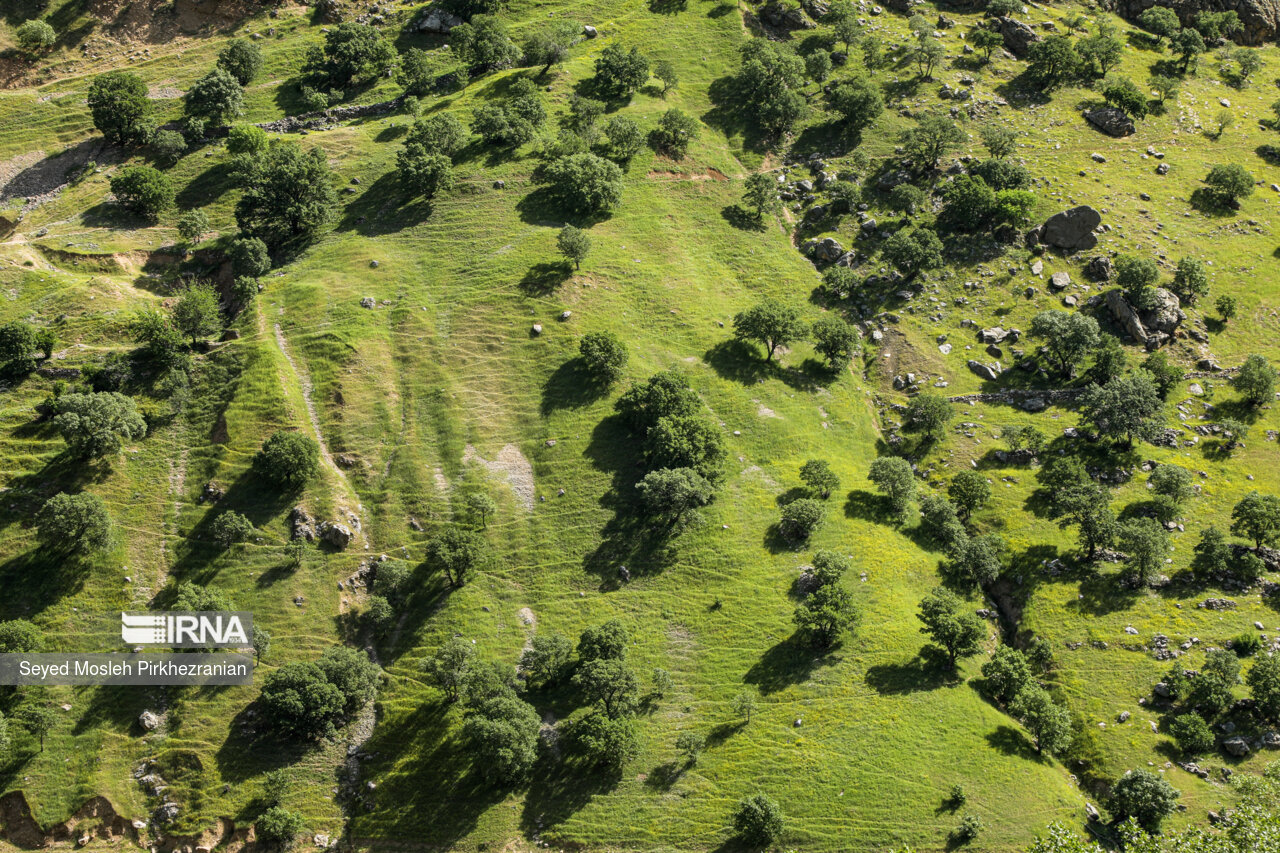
1099,268
782,17
1071,229
984,371
335,534
1167,313
438,20
148,721
828,250
1126,316
1111,121
1018,37
1059,281
1236,746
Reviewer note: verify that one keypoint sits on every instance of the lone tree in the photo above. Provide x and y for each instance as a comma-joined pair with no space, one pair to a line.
760,194
1145,797
893,477
834,339
1068,337
969,491
619,72
39,721
959,633
818,476
1147,544
143,190
772,323
288,458
800,518
604,354
35,36
1161,21
673,134
1048,722
934,135
96,425
574,244
859,102
1127,407
1229,183
193,226
288,195
758,820
424,171
74,523
1257,517
744,705
196,313
928,414
1191,280
583,183
1187,44
912,252
1256,380
216,97
278,827
825,614
674,495
241,59
666,72
120,107
457,552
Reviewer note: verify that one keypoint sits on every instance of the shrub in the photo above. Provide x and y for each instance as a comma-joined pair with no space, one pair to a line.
19,635
247,139
74,523
424,172
278,826
120,107
758,820
1246,645
604,355
607,741
1192,734
574,244
197,313
96,425
230,528
800,519
18,346
241,59
143,190
673,134
583,183
457,552
35,36
216,97
818,476
288,458
1144,796
249,256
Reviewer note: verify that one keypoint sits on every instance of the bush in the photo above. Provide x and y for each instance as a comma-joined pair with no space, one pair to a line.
216,97
193,226
96,425
607,741
800,519
583,183
241,59
457,552
834,339
35,36
230,528
1230,183
620,72
197,313
758,820
673,134
288,458
249,256
247,139
19,635
1245,645
1144,796
574,244
143,190
278,826
74,523
604,355
818,476
968,829
354,51
18,346
120,107
1192,734
424,172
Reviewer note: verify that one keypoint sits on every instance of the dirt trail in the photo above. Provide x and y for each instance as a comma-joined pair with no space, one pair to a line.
304,383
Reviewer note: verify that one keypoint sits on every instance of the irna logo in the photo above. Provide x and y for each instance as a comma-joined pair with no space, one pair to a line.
184,629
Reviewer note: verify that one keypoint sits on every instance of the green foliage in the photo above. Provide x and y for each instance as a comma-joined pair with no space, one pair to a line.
1264,685
772,323
1256,380
977,559
168,146
675,131
193,226
288,458
1124,94
674,496
985,40
1160,21
216,97
1067,336
247,139
278,827
623,139
143,190
928,414
760,194
1048,722
1245,645
926,53
610,683
74,523
242,59
96,425
969,491
769,81
1191,280
817,65
606,741
1144,796
685,442
665,394
574,244
1226,306
934,135
230,528
457,552
834,339
484,45
1216,25
1187,44
1127,407
800,518
1109,361
939,518
1024,438
912,252
604,354
197,313
503,733
583,183
120,107
1165,86
1002,174
35,36
606,641
546,660
423,171
817,475
744,704
356,52
1146,543
1101,52
1053,60
18,345
249,256
307,700
893,476
758,820
1257,517
690,745
549,45
958,632
39,721
619,72
1230,183
446,670
1212,553
19,635
1007,673
1192,734
288,195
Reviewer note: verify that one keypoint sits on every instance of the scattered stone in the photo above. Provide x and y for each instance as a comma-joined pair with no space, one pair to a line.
1111,121
1236,746
368,302
335,534
148,720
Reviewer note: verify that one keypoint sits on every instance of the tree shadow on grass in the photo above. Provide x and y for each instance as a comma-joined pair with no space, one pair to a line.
252,747
1212,204
383,208
869,507
560,789
544,207
928,670
1009,741
786,663
1102,594
542,279
206,187
738,361
571,386
722,732
741,218
43,575
664,776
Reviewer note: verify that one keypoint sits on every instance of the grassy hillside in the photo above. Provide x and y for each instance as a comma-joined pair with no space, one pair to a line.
442,389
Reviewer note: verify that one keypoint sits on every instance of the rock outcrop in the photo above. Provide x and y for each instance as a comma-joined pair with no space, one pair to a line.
1018,37
1260,19
1071,229
1111,121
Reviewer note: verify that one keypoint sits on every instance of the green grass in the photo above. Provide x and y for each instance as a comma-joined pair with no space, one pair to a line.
448,369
